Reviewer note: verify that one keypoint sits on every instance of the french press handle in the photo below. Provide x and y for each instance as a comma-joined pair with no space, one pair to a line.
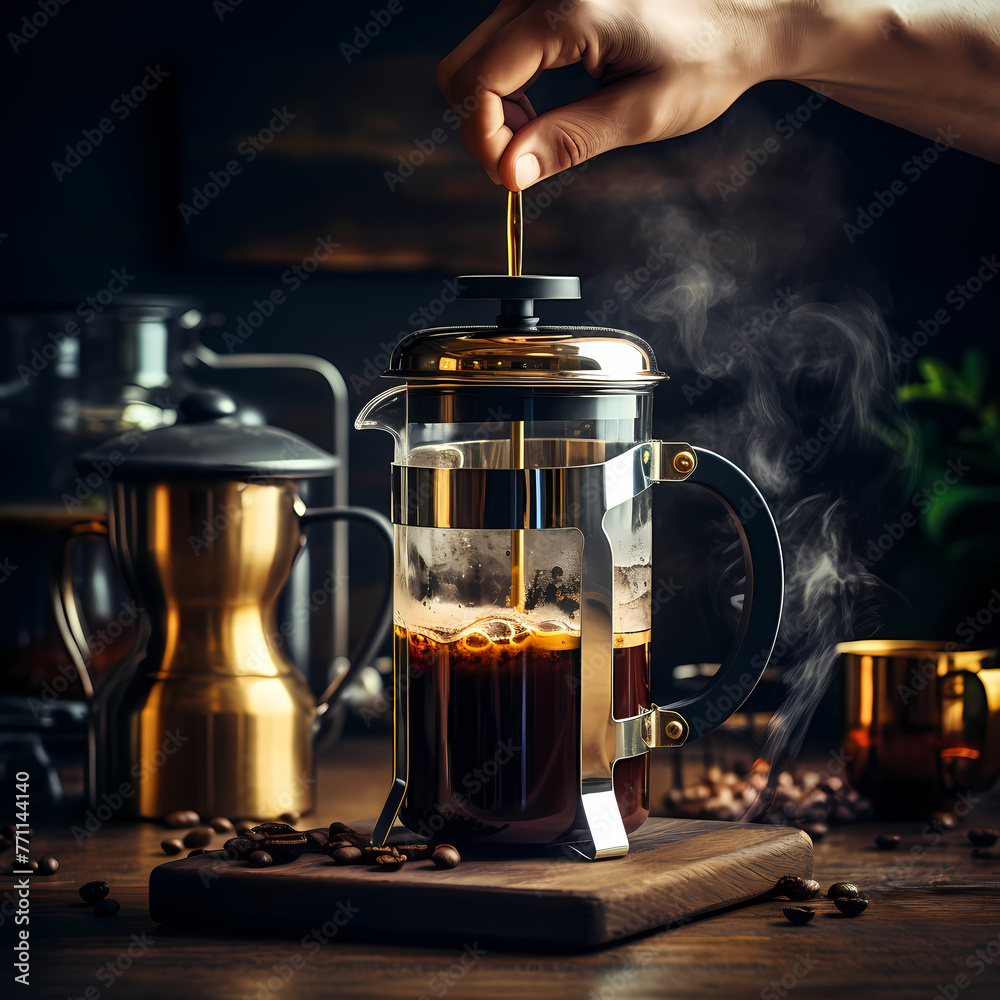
765,583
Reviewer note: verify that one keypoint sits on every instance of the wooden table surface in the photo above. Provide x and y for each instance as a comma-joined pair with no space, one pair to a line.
915,940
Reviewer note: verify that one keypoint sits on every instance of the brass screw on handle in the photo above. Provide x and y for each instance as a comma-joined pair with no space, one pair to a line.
683,462
673,729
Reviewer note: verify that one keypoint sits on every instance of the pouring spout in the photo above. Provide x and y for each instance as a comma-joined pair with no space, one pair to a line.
386,412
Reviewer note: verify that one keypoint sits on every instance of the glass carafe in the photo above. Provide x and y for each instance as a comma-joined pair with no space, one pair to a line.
522,510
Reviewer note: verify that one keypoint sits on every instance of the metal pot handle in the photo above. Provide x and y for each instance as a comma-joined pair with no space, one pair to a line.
369,647
765,584
64,604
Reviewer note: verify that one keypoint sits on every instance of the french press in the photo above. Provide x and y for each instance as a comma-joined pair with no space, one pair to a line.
523,572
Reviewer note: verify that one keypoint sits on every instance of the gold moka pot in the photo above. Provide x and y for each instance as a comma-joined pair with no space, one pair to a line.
206,711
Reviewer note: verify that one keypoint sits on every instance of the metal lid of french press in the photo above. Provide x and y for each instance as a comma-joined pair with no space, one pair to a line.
520,351
209,441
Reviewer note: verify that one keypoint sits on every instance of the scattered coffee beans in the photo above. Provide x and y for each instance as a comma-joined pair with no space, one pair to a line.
261,859
887,841
843,890
446,856
94,892
390,862
200,836
221,825
806,801
48,865
172,845
851,906
107,908
982,838
197,852
799,915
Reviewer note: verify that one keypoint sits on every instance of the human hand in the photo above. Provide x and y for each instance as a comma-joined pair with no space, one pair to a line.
666,68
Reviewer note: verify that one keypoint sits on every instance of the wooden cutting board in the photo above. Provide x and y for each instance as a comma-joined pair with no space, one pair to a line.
676,870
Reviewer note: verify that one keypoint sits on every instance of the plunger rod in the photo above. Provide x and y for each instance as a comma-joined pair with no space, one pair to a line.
514,230
517,593
515,227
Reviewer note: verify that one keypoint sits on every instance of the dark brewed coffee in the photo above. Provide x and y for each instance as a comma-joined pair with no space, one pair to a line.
494,747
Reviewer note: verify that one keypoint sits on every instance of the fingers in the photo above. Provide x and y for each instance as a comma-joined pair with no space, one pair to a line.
633,110
504,12
505,64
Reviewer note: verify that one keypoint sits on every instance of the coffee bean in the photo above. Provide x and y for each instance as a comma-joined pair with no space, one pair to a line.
316,840
851,906
237,848
197,852
260,859
267,829
798,915
200,836
221,825
446,856
94,892
48,865
943,820
843,890
795,888
181,818
887,841
284,847
107,908
347,856
982,838
33,865
290,817
390,862
371,852
172,845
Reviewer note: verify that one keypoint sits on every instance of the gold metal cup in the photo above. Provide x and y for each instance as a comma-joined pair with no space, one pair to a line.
922,721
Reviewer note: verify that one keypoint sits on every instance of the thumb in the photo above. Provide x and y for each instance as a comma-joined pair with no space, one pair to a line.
623,113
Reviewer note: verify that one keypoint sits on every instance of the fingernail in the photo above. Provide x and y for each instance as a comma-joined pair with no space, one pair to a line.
526,170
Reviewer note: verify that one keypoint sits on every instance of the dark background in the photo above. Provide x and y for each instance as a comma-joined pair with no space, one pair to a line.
323,176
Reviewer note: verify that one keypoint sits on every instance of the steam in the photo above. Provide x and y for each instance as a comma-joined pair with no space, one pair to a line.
782,366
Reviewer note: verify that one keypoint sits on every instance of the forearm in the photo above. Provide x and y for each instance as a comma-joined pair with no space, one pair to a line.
925,66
